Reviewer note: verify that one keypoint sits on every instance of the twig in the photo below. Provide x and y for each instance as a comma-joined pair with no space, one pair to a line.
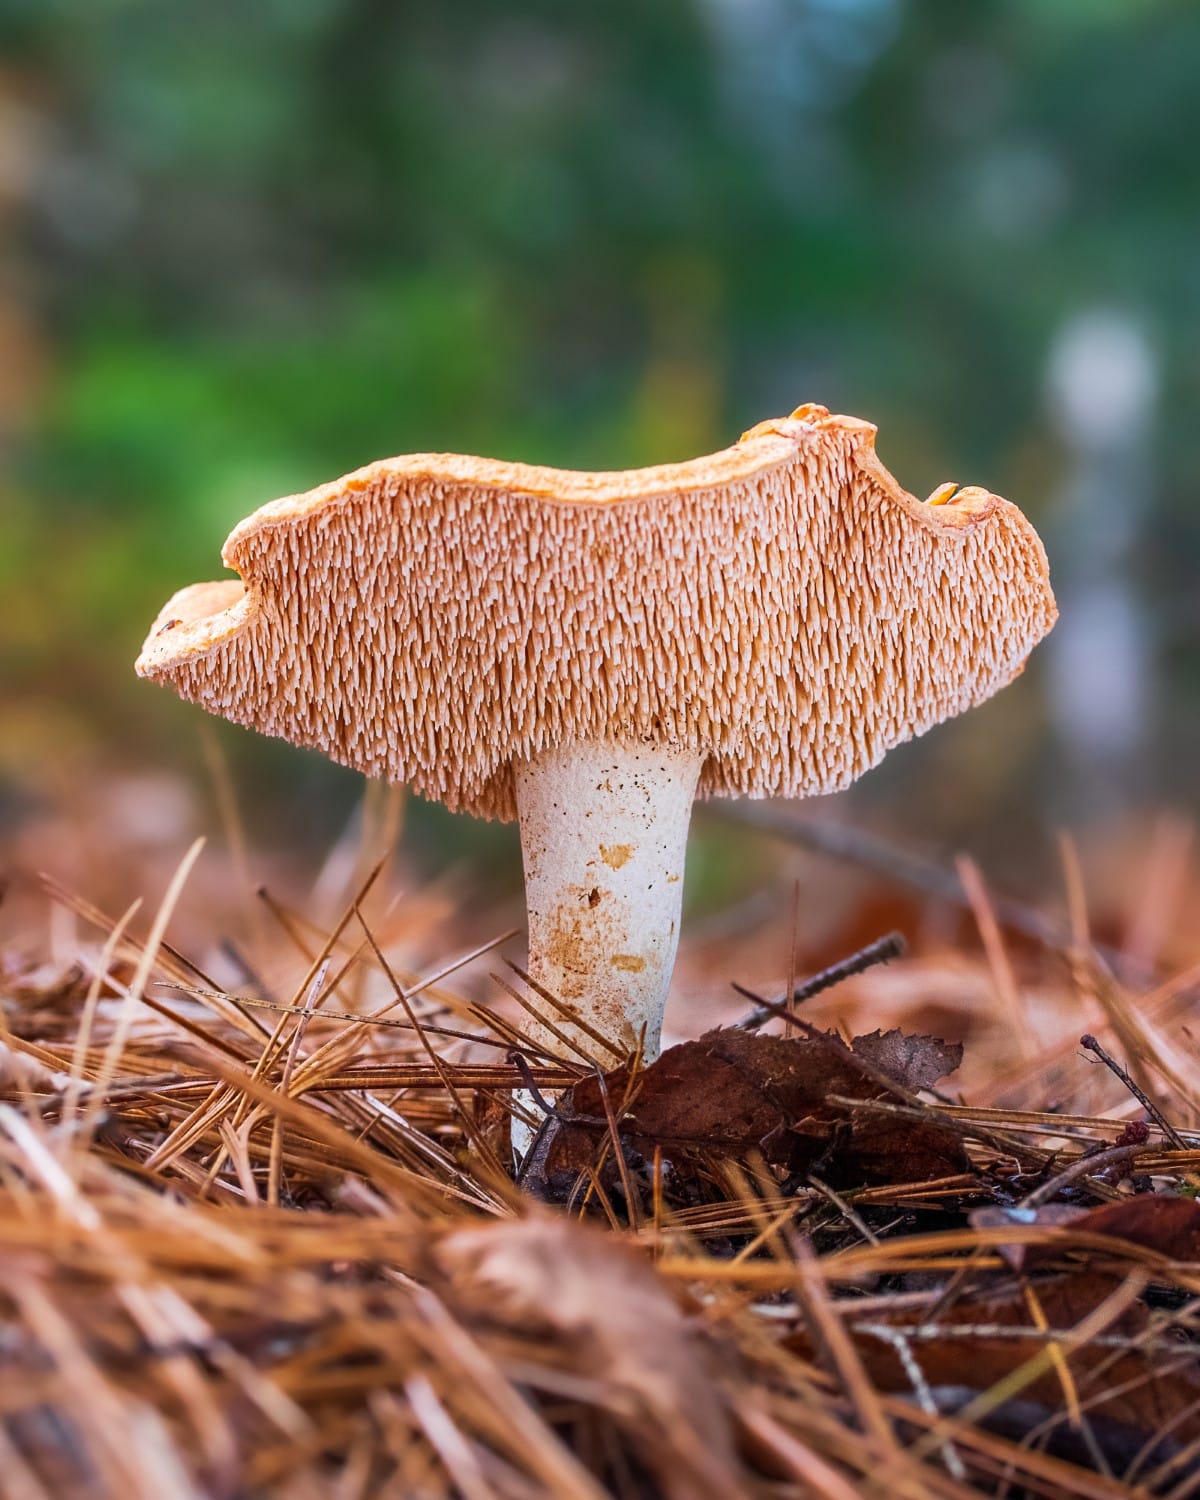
1090,1044
847,1210
878,952
519,1061
1084,1166
916,1378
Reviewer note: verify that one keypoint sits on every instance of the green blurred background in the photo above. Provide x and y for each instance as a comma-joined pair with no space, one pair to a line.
248,246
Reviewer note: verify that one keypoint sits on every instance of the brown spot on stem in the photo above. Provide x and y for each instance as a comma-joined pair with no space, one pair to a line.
629,962
616,855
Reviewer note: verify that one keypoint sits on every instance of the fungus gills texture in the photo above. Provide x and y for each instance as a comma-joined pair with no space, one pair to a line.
783,610
603,836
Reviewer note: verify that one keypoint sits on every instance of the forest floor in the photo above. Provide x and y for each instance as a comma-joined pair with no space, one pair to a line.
264,1239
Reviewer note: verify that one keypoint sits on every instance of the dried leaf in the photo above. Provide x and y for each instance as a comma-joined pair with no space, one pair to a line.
1156,1221
917,1062
597,1302
1136,1385
879,1149
994,1217
731,1092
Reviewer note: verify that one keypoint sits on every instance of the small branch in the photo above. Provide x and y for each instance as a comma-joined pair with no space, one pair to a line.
1090,1044
878,952
1085,1166
520,1062
847,1210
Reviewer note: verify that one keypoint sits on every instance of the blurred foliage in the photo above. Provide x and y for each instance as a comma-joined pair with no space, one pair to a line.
251,246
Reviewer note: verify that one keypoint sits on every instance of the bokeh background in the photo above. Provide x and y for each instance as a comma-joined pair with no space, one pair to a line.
247,247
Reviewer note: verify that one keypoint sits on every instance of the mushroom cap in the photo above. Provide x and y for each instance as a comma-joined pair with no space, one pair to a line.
784,607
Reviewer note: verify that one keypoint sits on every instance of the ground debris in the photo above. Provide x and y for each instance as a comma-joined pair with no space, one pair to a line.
730,1092
1078,1359
614,1323
282,1253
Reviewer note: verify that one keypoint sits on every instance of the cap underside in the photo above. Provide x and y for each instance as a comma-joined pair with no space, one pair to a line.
790,614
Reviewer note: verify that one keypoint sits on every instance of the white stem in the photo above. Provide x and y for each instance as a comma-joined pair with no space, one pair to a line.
603,834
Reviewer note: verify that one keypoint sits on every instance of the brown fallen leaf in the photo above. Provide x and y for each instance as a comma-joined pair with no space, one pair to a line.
1138,1386
917,1062
606,1315
1156,1221
731,1092
1161,1222
993,1216
880,1150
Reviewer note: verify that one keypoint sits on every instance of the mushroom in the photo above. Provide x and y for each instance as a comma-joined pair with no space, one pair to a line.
590,652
